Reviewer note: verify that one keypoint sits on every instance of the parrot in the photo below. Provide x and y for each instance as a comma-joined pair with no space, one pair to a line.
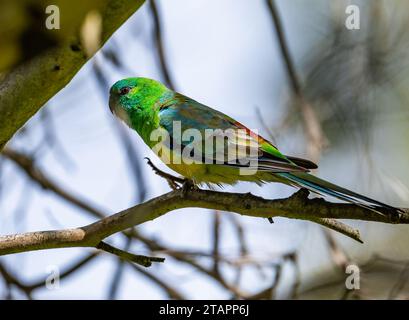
148,106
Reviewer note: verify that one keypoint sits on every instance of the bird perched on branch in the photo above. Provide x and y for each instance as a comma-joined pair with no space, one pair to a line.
183,131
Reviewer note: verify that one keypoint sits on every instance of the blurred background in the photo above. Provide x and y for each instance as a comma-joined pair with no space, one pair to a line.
290,69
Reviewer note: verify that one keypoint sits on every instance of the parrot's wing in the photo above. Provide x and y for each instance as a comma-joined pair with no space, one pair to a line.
210,136
307,164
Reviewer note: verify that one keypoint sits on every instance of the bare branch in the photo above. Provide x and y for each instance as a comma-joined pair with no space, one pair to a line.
28,87
216,241
269,292
298,206
159,45
312,126
28,288
170,291
340,227
27,165
142,260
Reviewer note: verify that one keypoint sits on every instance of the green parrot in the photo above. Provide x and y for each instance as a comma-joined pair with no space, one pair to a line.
148,106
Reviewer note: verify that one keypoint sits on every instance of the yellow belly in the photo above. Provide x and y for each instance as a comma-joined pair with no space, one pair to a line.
201,173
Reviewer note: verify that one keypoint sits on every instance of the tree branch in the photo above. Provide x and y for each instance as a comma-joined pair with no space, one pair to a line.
28,87
312,126
28,288
171,292
157,29
124,255
298,206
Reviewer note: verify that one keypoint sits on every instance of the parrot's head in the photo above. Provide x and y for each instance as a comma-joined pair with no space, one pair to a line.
136,101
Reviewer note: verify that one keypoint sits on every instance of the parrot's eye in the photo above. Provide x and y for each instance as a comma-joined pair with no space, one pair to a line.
124,90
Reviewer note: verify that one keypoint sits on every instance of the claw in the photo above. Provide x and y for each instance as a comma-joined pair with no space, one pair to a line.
172,180
187,186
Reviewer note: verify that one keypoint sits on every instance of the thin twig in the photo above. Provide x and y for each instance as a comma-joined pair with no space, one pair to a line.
144,261
171,292
216,240
159,45
340,227
27,164
339,256
312,126
269,292
28,288
117,275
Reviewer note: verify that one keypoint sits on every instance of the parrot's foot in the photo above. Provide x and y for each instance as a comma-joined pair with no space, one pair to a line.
187,186
174,182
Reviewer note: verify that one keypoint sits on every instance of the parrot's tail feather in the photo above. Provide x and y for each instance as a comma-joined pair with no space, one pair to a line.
320,186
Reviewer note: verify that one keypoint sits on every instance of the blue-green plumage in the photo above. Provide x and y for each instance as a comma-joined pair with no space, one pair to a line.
146,105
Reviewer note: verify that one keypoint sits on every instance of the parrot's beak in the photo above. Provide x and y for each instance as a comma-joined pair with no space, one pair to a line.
111,104
116,109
